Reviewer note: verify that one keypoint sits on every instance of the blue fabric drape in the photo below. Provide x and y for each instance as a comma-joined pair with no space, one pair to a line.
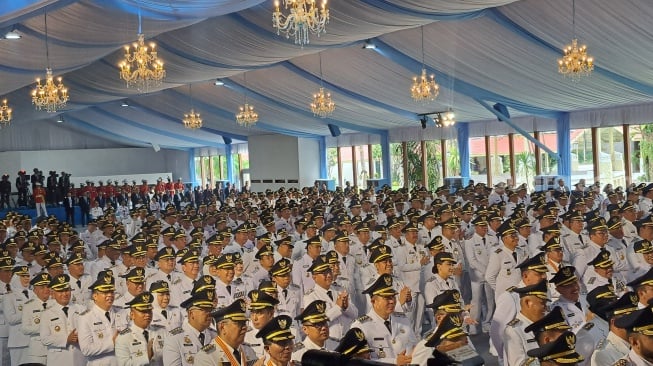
463,150
323,157
385,157
564,147
191,167
230,163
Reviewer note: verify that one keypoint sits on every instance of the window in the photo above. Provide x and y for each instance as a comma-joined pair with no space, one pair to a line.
377,161
612,168
548,164
524,161
499,147
414,161
332,164
477,159
641,152
362,165
433,164
347,166
396,165
582,160
453,158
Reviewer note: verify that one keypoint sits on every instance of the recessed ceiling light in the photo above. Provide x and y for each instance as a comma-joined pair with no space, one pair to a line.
369,45
60,119
124,104
218,82
13,34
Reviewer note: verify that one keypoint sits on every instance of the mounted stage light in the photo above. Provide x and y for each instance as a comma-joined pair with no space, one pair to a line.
369,45
13,34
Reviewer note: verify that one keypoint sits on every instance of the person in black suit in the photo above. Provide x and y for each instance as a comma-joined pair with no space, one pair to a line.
69,206
85,207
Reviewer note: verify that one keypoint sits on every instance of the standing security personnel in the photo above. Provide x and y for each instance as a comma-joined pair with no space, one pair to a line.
182,344
139,344
388,333
98,328
59,325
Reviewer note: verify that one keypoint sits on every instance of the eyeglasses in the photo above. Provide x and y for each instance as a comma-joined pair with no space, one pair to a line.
323,324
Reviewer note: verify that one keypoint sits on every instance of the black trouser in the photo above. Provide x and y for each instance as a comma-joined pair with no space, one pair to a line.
70,216
4,200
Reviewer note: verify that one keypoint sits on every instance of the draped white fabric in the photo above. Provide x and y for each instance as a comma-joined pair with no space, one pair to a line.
497,51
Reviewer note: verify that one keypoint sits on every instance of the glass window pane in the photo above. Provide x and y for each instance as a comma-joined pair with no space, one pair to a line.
434,164
363,165
478,163
453,158
414,159
582,161
611,156
377,161
216,167
347,166
499,158
397,165
332,164
524,161
548,164
205,165
236,172
223,167
641,152
198,169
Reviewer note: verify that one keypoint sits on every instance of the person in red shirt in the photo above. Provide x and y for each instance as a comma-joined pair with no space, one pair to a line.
39,199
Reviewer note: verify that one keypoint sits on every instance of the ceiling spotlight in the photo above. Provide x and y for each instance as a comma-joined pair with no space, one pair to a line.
369,45
60,119
218,82
423,120
124,104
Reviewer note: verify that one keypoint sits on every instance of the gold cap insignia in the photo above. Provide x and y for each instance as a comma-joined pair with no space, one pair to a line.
209,295
321,307
359,335
456,296
566,271
283,323
140,271
456,320
62,279
605,255
634,299
254,296
107,279
571,341
229,257
242,306
283,264
388,280
382,249
146,297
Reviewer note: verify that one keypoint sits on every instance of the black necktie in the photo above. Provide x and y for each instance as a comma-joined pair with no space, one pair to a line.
164,313
330,295
624,242
580,237
237,356
285,293
113,263
514,255
484,243
578,305
387,325
229,289
146,334
79,284
65,310
202,338
106,314
344,259
8,288
26,293
45,304
169,277
429,234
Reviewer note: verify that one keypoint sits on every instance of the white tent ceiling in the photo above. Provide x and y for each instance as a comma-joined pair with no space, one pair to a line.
494,50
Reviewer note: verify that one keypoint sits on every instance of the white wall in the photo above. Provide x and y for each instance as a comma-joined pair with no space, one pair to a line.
309,161
98,162
279,157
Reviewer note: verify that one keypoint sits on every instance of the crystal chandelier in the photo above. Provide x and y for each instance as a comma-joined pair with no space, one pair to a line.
575,63
5,114
246,117
304,17
322,104
141,67
49,95
192,120
424,87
